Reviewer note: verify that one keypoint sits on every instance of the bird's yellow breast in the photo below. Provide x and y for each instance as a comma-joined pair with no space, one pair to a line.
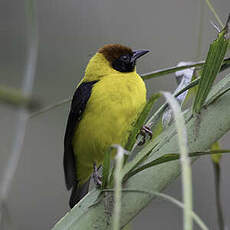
115,102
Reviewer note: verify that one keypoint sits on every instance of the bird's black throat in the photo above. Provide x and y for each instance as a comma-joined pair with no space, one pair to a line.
124,64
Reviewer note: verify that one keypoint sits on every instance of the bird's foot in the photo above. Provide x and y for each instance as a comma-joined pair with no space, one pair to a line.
96,177
145,130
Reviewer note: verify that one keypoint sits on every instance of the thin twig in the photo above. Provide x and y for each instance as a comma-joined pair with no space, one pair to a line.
173,69
210,6
50,107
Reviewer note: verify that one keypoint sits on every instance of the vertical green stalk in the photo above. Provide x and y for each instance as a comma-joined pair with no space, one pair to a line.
220,216
118,187
217,177
185,162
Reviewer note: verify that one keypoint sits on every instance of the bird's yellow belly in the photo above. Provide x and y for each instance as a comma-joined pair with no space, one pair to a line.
110,112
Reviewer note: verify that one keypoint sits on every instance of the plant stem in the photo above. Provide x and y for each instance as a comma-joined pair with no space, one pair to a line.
217,174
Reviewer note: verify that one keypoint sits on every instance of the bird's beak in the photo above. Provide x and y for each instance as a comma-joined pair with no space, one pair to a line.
137,54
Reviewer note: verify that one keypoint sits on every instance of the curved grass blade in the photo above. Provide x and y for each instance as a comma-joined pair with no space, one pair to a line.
185,162
168,198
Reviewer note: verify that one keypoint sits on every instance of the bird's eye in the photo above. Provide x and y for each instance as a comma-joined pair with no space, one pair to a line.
125,58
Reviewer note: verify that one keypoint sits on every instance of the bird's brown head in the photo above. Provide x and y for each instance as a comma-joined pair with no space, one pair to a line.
121,58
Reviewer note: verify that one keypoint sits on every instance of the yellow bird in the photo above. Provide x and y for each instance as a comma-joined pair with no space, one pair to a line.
104,107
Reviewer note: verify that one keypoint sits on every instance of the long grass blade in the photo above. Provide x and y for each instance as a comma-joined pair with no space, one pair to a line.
172,157
185,162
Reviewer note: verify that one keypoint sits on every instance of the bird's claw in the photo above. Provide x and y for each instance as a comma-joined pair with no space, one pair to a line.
96,177
145,130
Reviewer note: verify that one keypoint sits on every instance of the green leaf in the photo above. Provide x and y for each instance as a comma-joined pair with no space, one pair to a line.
172,157
218,91
75,214
218,95
211,68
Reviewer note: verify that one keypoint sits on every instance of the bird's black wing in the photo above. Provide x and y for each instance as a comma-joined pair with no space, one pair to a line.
79,101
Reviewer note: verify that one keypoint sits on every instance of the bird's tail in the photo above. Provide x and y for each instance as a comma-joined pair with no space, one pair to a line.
78,192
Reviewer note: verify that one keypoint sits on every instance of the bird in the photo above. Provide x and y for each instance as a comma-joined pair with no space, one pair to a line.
104,107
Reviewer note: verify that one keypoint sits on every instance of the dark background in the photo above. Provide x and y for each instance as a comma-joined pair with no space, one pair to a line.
70,32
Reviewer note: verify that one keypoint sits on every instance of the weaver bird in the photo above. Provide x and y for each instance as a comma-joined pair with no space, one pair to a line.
104,107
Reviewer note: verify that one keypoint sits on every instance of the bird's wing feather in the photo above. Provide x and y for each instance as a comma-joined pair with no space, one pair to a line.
79,102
